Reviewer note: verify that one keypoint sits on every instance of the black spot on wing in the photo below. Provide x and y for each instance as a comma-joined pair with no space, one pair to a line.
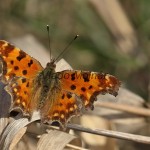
63,96
69,95
83,89
86,76
25,92
27,85
12,62
73,87
8,49
24,80
30,63
16,68
22,55
73,76
24,72
90,87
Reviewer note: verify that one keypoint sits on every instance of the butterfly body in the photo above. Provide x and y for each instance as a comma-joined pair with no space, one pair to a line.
47,82
58,96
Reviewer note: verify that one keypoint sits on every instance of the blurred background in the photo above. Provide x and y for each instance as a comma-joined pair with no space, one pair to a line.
114,35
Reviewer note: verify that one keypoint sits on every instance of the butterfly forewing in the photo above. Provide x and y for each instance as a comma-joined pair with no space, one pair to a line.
16,62
87,85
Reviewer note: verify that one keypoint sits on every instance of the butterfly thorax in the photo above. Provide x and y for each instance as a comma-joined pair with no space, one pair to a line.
46,86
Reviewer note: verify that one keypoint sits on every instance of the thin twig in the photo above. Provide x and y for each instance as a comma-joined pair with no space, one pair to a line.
75,147
112,134
124,107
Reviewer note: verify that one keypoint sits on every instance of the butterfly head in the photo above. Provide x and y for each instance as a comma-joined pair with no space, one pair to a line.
51,64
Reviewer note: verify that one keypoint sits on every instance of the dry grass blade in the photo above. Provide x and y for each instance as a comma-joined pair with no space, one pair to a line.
54,140
4,107
17,138
75,147
3,124
118,23
14,128
113,134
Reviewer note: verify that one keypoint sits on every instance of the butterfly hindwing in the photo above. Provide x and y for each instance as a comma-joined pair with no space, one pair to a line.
65,106
20,89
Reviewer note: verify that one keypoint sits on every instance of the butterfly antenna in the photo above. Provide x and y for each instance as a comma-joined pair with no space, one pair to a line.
49,41
66,48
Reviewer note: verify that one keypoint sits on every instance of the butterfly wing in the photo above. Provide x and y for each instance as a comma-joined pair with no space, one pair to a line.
78,89
16,62
87,85
18,71
20,90
65,106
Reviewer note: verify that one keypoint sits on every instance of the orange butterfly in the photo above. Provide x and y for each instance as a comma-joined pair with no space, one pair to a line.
58,96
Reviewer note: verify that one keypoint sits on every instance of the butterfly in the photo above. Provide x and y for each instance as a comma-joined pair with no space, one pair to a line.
58,96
